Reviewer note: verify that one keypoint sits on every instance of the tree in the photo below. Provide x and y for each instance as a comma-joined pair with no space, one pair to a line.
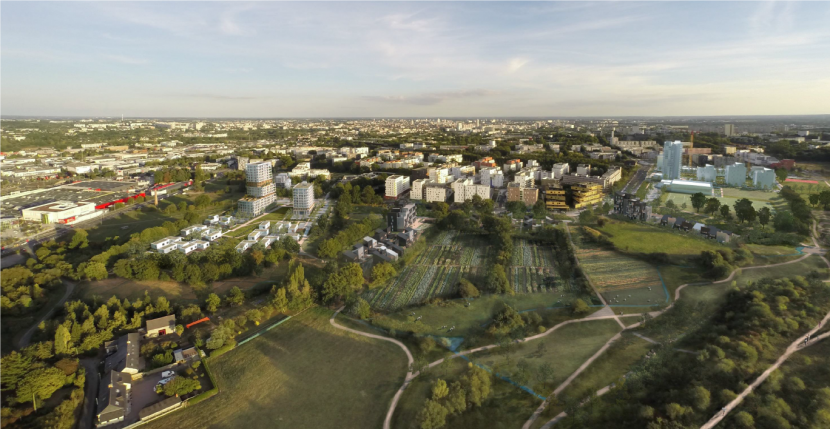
498,280
181,386
62,339
477,384
587,216
79,239
440,389
539,210
700,398
179,330
40,383
382,272
212,303
433,415
698,201
764,216
545,372
824,199
744,210
202,201
670,205
95,271
280,301
363,309
235,297
781,174
744,420
724,211
814,198
579,307
467,289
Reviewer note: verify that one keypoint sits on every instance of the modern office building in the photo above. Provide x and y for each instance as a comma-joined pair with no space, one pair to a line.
400,218
672,159
763,178
555,199
707,173
631,207
303,199
396,185
260,187
736,174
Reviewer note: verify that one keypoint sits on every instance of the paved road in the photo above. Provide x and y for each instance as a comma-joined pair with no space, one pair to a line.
387,423
90,392
27,336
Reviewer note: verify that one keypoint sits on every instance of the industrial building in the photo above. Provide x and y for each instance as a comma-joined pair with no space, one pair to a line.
65,212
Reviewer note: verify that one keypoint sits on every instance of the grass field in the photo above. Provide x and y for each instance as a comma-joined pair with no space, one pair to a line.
128,223
566,349
731,195
805,189
621,279
472,320
304,373
642,238
607,369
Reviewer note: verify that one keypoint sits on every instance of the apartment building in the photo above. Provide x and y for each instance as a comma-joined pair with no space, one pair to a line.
515,192
303,199
261,191
396,185
400,218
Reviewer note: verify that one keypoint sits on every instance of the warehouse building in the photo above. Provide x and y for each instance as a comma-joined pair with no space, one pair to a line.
65,212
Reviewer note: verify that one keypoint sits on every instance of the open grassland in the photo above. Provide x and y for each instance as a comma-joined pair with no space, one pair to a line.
609,368
565,349
805,189
304,373
128,223
621,279
642,238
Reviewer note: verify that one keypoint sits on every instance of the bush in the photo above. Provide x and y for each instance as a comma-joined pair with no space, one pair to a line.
467,289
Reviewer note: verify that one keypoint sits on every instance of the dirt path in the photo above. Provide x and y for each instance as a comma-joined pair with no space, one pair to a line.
27,336
387,423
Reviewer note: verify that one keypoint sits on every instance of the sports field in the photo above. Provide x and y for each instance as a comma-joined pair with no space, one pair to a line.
622,280
305,373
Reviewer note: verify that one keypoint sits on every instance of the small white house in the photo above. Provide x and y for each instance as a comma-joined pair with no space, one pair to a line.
193,229
212,234
201,244
226,220
187,246
213,220
269,239
244,245
265,225
256,234
157,245
168,248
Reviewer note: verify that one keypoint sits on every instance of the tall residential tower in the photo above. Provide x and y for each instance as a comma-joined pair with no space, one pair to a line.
672,159
260,188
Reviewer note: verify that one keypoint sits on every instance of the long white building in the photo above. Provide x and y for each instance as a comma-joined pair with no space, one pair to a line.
464,189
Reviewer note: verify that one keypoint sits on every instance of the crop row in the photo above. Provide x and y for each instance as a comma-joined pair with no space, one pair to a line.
416,285
529,279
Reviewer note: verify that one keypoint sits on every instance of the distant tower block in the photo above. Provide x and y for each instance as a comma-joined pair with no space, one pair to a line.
156,195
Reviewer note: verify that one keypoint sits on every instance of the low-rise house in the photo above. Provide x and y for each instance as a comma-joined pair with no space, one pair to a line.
724,236
269,239
256,234
164,242
244,245
114,398
186,246
161,326
265,226
193,230
358,254
201,244
226,220
168,248
212,234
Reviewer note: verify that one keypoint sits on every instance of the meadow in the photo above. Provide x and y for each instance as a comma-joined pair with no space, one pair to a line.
642,238
305,373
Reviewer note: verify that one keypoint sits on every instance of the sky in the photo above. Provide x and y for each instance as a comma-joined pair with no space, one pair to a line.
397,59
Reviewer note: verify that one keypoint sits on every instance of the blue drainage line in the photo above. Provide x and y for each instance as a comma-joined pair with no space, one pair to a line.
507,379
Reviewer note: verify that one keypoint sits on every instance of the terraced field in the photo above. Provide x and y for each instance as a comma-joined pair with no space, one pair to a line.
435,272
622,280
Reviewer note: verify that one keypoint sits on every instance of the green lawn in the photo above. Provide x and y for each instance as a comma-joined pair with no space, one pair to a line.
731,195
304,373
471,320
642,238
128,223
607,369
566,349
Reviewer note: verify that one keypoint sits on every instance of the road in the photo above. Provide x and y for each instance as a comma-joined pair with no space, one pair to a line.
93,380
27,336
636,180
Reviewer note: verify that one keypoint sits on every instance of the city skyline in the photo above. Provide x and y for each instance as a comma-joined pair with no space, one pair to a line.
413,59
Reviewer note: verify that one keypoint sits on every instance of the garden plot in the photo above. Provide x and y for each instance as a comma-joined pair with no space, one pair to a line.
622,280
534,269
435,272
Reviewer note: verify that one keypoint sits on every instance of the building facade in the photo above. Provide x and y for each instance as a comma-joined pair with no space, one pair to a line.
396,185
736,174
672,159
400,218
303,199
260,188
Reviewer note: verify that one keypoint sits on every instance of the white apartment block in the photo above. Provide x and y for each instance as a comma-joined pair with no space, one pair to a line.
260,187
461,171
434,157
492,176
282,180
417,192
438,174
303,199
465,189
560,170
396,185
524,179
437,193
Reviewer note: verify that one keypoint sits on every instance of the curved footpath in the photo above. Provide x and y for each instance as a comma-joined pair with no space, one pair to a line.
387,423
27,336
599,315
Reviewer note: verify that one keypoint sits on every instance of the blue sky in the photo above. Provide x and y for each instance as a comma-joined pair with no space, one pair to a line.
414,59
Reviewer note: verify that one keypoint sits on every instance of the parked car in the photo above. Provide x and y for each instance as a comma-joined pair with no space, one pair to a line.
168,374
164,381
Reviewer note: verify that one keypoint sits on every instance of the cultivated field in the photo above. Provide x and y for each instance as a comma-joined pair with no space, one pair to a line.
622,280
305,373
533,269
435,272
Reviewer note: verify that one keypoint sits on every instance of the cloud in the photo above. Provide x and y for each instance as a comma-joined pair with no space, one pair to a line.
219,97
430,98
123,59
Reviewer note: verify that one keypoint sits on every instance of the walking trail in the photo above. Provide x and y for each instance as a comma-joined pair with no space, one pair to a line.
27,337
604,314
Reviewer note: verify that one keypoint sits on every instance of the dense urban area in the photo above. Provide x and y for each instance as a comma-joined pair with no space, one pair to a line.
424,273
